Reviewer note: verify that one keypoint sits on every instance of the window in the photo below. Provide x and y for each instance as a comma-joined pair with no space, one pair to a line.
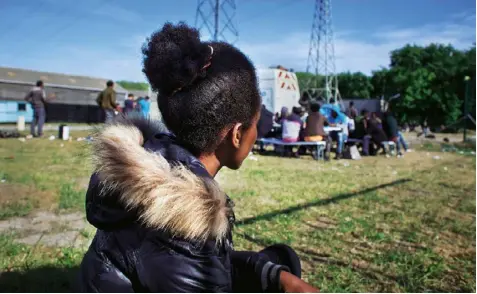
21,106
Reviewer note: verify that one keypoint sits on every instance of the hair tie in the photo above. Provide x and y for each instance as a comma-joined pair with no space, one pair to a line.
209,61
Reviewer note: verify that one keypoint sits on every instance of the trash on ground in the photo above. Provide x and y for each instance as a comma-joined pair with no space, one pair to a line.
437,157
254,158
22,139
51,138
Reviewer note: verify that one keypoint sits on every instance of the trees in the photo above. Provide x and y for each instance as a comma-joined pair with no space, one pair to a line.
307,80
351,85
138,86
355,85
431,82
382,83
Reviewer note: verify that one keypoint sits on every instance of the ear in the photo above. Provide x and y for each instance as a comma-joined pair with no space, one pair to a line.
236,133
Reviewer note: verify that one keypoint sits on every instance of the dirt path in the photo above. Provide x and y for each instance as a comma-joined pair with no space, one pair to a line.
50,229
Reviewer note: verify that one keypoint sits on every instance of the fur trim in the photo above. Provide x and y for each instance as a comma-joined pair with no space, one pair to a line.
169,198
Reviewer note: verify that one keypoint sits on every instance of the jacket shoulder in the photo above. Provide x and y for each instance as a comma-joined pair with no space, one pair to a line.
182,266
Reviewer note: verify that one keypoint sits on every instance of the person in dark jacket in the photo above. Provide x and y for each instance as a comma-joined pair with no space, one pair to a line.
375,130
129,104
163,223
37,98
360,131
265,123
351,112
391,128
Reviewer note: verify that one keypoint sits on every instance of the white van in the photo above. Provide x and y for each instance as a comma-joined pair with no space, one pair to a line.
278,88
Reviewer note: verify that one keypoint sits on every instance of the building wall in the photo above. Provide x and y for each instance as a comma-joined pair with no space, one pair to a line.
372,105
11,110
62,95
69,105
74,113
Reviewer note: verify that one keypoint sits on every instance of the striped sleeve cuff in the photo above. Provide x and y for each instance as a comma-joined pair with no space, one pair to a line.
270,277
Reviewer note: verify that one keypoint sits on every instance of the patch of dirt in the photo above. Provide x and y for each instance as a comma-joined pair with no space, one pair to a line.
453,245
12,192
15,193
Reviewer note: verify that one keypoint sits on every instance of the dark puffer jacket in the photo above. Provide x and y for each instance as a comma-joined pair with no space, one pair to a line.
169,227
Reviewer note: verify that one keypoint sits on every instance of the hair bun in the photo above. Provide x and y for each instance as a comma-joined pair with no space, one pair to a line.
173,57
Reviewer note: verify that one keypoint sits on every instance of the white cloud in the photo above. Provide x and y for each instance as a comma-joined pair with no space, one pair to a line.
355,53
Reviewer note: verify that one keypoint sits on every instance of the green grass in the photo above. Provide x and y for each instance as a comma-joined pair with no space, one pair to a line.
34,269
15,209
376,225
70,197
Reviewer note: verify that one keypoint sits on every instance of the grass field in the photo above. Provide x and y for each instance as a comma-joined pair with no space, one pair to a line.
375,225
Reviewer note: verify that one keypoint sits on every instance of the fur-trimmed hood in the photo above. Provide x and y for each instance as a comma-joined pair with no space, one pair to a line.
144,175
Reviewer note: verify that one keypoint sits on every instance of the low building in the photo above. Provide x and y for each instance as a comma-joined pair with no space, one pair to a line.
74,101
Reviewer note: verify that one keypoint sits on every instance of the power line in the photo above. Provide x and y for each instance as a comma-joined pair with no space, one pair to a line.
217,16
321,57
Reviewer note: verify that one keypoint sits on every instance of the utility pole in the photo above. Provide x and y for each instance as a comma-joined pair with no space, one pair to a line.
216,17
216,27
466,96
321,56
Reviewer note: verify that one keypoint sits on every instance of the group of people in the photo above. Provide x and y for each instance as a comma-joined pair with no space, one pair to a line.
367,129
107,101
373,130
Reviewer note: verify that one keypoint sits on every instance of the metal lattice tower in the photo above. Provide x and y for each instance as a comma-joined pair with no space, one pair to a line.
217,17
321,57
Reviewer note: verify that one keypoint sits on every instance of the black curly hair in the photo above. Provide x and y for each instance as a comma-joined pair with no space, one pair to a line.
203,87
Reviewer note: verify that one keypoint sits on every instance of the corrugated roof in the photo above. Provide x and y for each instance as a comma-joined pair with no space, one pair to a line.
17,75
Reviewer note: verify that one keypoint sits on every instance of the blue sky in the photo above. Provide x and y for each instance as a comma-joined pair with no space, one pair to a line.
103,37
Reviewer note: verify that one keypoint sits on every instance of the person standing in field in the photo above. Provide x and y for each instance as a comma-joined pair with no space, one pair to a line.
107,101
144,106
129,104
37,98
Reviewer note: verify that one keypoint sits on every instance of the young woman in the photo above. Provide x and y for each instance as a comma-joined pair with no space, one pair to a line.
163,223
